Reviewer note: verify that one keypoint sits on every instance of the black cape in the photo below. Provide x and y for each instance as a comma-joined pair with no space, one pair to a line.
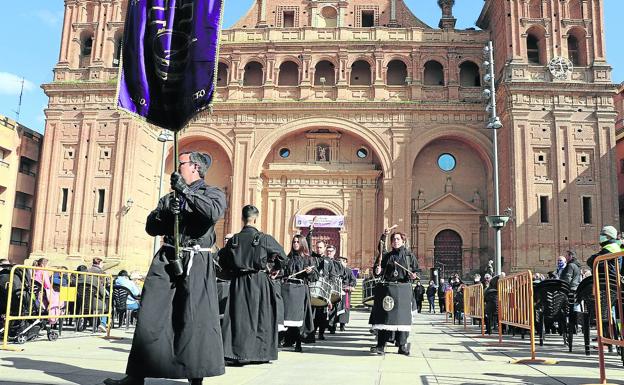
178,333
251,314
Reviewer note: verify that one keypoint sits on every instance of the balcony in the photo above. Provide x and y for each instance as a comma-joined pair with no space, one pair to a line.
26,183
430,93
288,92
5,174
22,218
360,93
472,94
18,251
30,149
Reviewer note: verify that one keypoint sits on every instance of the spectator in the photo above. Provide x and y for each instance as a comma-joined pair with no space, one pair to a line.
419,292
99,292
490,268
124,280
561,264
572,271
431,292
441,294
487,278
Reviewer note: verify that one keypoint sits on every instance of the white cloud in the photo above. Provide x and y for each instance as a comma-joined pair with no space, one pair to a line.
50,18
11,84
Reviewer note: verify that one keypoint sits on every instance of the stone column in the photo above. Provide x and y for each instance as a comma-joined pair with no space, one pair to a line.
393,14
243,144
262,22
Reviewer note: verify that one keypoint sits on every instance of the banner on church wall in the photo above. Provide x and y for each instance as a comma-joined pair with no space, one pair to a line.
331,221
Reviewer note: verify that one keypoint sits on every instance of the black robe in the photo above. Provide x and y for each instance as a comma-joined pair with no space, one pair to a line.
250,318
296,263
178,333
348,280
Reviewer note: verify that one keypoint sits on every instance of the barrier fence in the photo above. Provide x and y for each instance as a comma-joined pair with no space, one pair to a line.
52,295
474,305
607,278
449,304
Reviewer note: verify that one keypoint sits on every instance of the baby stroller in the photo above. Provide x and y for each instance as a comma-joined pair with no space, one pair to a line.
21,331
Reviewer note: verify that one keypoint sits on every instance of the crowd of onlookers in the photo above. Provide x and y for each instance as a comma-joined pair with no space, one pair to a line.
52,289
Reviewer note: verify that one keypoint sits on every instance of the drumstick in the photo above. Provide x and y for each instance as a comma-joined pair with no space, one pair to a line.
393,226
402,267
299,272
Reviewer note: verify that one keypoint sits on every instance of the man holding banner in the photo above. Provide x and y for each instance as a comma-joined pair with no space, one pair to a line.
167,76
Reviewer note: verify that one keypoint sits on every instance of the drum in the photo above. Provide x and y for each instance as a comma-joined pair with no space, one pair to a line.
223,292
392,309
369,291
293,296
320,292
336,290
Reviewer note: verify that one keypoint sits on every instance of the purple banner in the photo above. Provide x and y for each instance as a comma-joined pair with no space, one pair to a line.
169,59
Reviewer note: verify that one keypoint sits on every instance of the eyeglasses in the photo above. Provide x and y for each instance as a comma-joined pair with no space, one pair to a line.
181,163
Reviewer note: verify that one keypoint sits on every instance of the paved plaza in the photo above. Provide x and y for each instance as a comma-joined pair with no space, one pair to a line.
441,354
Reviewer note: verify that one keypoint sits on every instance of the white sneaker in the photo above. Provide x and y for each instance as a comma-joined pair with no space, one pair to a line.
102,328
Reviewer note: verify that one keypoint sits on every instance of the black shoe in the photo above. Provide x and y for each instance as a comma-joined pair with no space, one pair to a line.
405,349
196,381
377,350
321,337
125,381
298,349
342,328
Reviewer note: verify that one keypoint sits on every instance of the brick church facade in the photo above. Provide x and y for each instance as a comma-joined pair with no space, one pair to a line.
353,108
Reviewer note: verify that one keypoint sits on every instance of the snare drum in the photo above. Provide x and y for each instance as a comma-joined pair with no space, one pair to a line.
336,290
320,292
369,291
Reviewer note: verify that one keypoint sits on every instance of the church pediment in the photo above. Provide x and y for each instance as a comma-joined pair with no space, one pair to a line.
450,203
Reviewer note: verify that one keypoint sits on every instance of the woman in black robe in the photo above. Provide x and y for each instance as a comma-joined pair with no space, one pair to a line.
300,265
178,333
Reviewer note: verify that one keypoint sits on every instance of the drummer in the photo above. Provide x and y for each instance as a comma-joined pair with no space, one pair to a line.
340,315
398,267
325,269
301,266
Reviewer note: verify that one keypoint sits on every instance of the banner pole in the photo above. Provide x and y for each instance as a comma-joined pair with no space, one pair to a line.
176,224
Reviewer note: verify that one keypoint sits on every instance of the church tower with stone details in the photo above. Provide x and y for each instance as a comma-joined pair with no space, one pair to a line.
557,142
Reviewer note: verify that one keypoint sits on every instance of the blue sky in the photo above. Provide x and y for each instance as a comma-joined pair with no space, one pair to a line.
30,33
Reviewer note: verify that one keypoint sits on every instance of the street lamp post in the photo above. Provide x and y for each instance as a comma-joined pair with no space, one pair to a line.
496,221
164,137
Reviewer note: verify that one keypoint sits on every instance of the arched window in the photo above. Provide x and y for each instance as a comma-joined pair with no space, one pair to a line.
577,51
469,75
86,47
117,51
254,74
434,74
288,74
533,51
326,70
397,73
222,75
360,73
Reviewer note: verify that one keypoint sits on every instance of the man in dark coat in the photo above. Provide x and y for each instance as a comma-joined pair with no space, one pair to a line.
326,269
178,333
348,284
442,294
250,318
572,271
419,295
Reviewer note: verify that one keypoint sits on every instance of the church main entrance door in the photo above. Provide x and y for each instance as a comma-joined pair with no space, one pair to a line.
331,236
447,254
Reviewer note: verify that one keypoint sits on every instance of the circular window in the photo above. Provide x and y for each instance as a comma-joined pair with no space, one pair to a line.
447,162
362,153
284,153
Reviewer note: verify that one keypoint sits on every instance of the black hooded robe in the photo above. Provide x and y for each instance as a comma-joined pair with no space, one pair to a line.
250,321
178,334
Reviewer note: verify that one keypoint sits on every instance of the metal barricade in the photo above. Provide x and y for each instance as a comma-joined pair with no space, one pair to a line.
606,273
32,296
515,308
449,304
474,305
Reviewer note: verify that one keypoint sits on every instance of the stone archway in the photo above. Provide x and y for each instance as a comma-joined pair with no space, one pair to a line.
447,252
324,169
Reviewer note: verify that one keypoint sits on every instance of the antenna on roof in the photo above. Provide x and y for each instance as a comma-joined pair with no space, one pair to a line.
19,104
